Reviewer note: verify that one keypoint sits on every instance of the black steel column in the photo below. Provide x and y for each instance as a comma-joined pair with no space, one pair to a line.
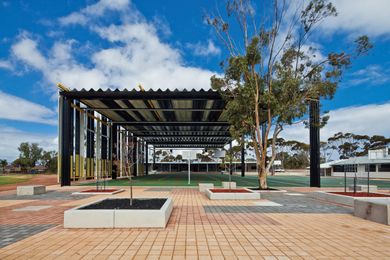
104,147
243,158
77,142
66,141
146,159
114,151
315,179
231,159
135,156
154,158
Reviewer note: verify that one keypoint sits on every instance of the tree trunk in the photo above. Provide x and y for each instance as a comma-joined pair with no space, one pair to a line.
262,174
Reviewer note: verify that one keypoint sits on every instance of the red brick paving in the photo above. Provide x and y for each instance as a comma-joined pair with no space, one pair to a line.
193,234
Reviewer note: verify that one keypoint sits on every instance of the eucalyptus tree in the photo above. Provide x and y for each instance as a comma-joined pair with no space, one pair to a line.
274,69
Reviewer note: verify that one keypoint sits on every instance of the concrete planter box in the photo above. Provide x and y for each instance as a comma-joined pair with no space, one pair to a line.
340,199
232,196
204,186
377,210
118,218
30,190
225,185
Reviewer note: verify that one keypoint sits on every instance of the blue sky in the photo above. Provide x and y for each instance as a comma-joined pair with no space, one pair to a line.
160,44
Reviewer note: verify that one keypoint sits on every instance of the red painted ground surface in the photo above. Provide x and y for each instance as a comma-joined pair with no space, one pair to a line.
93,190
360,194
229,190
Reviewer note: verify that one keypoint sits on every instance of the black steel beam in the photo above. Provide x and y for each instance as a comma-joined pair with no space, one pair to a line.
180,136
154,109
315,179
185,123
143,95
187,146
174,132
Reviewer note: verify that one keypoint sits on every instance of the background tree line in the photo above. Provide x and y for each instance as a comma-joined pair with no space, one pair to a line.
30,155
295,154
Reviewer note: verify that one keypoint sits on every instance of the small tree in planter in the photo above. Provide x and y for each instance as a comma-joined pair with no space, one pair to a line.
129,163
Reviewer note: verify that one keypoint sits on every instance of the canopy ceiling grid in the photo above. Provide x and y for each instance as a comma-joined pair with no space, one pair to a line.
165,119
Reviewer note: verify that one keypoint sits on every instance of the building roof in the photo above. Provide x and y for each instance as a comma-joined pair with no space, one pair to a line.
362,160
165,119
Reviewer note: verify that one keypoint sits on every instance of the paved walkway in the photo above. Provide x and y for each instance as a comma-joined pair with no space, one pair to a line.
280,226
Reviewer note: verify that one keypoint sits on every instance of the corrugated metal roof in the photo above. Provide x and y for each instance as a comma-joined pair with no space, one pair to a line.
164,118
362,160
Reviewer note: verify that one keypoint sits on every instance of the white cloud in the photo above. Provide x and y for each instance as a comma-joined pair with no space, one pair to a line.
371,75
11,138
93,11
135,55
15,108
4,64
26,50
364,120
201,49
360,17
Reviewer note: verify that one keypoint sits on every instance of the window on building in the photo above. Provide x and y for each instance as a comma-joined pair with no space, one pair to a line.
385,167
370,167
350,168
338,168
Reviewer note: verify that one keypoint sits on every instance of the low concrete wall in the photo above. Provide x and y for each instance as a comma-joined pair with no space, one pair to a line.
377,210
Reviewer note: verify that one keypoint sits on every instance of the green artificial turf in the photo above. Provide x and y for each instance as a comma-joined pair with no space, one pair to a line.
180,179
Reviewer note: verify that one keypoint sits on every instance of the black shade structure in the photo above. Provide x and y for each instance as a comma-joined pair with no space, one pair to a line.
159,118
115,122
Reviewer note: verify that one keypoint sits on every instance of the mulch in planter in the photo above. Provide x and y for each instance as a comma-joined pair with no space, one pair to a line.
125,204
94,190
360,194
230,191
270,189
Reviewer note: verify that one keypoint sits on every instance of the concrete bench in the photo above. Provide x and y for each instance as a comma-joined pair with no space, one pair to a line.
225,185
204,186
377,210
30,190
363,188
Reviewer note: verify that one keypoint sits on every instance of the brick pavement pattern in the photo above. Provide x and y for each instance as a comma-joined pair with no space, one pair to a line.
194,233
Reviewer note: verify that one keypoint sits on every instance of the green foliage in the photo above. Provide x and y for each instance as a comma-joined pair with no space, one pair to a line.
271,83
351,145
31,155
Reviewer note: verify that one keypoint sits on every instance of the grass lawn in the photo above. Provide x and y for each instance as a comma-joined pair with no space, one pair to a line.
12,179
180,179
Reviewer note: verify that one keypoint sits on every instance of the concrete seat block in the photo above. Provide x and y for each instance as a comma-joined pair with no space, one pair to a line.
204,186
377,210
225,185
364,188
233,196
30,190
